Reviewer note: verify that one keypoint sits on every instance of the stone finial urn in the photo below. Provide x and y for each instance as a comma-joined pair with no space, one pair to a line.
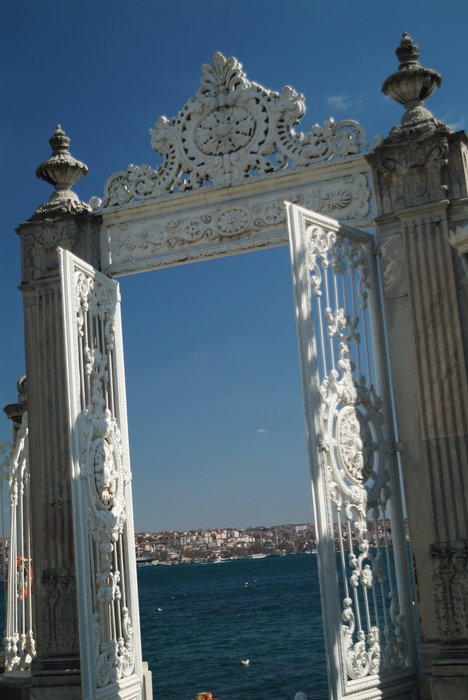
410,86
62,171
411,83
15,411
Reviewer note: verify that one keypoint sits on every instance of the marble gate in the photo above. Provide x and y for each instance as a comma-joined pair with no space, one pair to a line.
231,158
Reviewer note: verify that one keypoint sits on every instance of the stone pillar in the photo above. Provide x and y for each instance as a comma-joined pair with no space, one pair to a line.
63,222
420,177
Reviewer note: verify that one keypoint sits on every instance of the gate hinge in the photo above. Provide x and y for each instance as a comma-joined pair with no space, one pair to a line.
376,250
398,447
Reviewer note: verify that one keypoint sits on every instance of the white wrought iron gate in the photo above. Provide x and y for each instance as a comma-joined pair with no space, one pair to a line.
361,539
103,520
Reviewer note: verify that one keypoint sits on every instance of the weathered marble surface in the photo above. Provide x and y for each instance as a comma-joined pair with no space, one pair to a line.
394,272
426,305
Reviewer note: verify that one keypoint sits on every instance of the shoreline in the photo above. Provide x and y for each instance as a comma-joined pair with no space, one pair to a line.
146,562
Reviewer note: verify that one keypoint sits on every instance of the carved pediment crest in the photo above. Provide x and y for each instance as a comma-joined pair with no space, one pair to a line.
234,129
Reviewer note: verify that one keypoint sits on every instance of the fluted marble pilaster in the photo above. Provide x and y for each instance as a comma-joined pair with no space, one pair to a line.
421,188
56,670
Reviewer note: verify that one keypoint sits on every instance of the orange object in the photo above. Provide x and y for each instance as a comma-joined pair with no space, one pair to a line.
21,561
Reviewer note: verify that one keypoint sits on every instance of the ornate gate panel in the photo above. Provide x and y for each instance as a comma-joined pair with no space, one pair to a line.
361,539
19,646
102,503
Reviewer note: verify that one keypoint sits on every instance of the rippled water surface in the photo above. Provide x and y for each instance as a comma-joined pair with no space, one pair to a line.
214,615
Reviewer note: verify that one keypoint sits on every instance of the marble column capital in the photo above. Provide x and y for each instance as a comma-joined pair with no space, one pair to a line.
41,239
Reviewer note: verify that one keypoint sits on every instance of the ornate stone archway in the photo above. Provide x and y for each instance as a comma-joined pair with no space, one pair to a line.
231,158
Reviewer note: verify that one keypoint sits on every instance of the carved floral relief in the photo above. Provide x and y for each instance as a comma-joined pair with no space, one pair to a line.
233,130
450,584
346,199
59,612
410,173
40,242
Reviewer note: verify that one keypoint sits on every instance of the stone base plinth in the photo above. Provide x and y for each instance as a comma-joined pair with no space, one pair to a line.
147,682
15,687
450,672
449,688
62,692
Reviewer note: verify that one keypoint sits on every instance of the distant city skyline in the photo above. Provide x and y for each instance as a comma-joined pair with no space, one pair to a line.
229,527
213,387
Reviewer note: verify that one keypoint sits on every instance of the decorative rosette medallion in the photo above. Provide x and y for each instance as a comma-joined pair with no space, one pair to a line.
224,131
352,434
232,222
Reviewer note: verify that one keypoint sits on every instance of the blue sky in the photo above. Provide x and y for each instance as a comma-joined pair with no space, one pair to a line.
214,400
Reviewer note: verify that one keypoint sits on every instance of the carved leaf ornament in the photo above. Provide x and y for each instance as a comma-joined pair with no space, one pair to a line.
105,475
234,129
450,585
410,174
355,452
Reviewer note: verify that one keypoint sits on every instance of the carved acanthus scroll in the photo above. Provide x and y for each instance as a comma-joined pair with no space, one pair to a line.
234,130
410,173
59,611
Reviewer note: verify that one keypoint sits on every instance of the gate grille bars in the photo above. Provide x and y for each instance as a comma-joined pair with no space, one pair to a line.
361,539
106,571
18,641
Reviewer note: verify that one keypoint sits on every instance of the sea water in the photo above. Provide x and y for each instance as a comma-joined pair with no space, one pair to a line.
198,621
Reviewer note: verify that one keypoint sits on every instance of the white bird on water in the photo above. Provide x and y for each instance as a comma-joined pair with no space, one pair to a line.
244,662
160,609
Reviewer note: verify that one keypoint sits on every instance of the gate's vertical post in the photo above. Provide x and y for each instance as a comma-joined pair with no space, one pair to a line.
420,178
63,222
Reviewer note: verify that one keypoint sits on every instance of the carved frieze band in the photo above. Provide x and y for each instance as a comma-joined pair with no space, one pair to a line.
227,229
450,584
